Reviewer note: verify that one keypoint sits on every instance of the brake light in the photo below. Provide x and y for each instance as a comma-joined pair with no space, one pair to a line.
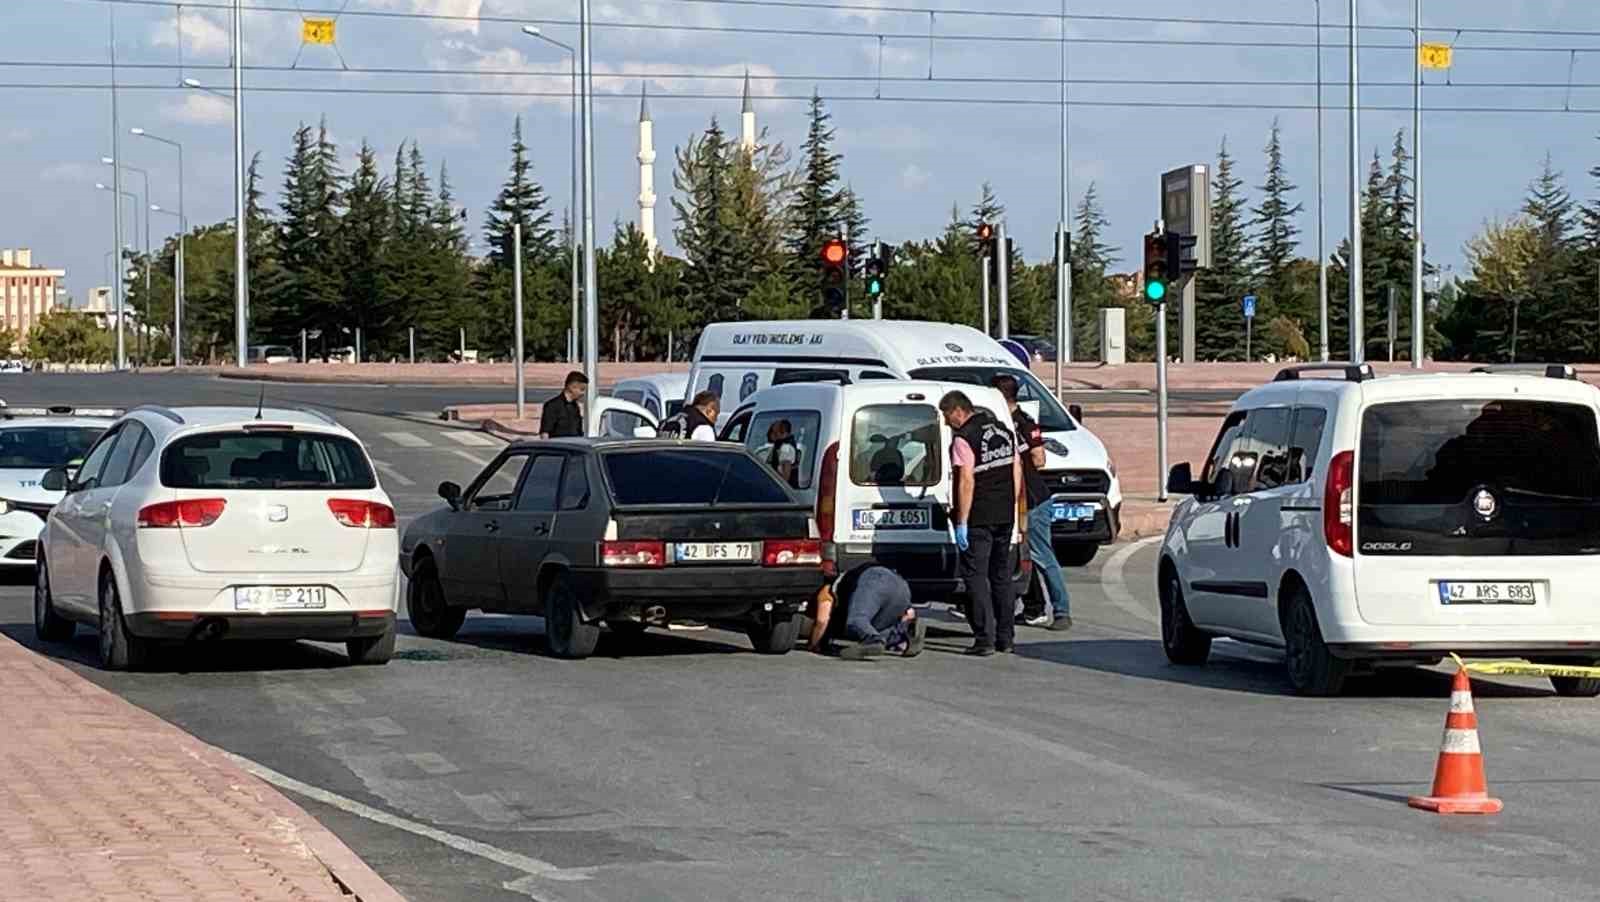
1338,504
361,514
827,487
190,513
633,554
791,553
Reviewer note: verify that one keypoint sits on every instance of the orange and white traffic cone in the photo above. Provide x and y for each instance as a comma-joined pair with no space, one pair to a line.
1459,786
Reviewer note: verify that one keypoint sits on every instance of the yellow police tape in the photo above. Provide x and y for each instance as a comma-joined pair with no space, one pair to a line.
1523,668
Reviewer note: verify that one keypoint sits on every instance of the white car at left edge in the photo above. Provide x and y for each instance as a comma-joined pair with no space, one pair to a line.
33,441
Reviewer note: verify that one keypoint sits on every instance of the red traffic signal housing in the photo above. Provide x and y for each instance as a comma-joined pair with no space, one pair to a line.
985,231
834,252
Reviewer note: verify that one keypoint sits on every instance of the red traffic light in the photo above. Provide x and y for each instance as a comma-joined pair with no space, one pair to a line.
985,231
834,252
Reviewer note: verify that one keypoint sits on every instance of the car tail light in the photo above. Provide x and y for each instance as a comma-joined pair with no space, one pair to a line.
827,487
1338,504
361,514
190,513
633,554
791,553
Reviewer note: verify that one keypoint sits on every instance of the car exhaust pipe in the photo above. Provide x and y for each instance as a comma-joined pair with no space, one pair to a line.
209,630
655,615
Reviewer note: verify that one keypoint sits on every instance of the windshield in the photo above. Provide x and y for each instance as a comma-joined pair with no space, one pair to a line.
1480,477
265,460
1052,418
44,447
698,477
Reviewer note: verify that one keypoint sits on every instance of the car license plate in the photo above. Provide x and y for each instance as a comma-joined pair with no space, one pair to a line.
890,518
279,598
714,552
1074,511
1490,592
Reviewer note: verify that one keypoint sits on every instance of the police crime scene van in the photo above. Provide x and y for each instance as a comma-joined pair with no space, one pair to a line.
736,360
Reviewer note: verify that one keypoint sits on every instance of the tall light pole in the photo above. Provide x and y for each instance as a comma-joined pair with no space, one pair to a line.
178,275
1322,249
1063,265
241,282
1416,181
1358,348
572,225
116,194
591,293
117,284
144,174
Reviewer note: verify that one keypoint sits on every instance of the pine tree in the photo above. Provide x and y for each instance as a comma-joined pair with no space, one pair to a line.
1275,237
1554,322
1219,326
1092,258
814,213
366,302
714,281
521,199
988,209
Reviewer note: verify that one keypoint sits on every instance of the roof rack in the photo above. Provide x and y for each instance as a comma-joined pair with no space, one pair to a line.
159,411
324,417
1547,370
1350,372
57,410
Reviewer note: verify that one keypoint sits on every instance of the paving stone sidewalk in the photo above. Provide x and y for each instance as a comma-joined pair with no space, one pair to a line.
101,801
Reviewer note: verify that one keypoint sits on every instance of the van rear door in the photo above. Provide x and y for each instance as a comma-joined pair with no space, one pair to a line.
1478,512
894,481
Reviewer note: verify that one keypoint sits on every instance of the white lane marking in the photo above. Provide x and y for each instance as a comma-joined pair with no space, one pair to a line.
390,472
480,461
513,860
432,763
471,439
407,439
1115,583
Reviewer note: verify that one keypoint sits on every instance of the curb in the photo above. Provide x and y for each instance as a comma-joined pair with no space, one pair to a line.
344,867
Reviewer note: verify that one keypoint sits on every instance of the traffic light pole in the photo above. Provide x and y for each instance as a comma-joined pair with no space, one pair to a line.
1161,401
1003,281
986,296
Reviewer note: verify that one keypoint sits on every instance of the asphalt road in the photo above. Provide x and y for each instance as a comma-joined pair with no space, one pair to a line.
1084,767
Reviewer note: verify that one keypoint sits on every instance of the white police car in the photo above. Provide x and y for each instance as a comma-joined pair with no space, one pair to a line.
32,441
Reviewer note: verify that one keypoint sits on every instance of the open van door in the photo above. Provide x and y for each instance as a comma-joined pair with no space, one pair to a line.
616,418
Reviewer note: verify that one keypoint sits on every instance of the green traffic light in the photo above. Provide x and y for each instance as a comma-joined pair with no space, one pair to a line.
1154,290
874,287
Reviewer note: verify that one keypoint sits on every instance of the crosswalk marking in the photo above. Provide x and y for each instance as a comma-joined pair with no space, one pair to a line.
391,473
471,439
407,439
480,461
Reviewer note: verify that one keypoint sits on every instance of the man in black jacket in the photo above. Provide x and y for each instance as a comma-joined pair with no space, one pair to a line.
697,422
562,416
987,495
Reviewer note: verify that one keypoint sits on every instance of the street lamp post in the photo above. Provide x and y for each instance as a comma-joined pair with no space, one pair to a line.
1417,332
1322,251
117,286
179,274
572,225
591,293
145,175
241,284
1358,347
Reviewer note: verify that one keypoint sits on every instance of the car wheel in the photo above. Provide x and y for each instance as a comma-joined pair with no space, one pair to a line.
371,650
1312,669
564,630
431,615
1575,687
1180,639
1077,554
775,637
119,649
48,626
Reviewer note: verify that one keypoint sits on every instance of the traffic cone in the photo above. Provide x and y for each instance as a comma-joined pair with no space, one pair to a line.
1459,786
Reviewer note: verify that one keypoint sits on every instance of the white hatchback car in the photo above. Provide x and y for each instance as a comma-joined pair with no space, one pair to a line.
1358,521
34,441
205,523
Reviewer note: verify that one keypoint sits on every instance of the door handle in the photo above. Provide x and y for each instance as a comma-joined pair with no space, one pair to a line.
1230,530
541,529
492,526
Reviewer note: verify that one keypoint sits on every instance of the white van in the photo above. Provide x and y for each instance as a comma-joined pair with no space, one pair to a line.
662,394
871,458
736,360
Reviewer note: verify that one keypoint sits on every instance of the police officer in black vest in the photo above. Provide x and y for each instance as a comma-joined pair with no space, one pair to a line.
988,487
697,422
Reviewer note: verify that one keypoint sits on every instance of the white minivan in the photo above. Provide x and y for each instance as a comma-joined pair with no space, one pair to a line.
661,393
736,360
871,458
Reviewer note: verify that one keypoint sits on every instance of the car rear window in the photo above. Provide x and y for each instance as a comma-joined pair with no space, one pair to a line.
279,459
895,445
43,447
1479,477
703,477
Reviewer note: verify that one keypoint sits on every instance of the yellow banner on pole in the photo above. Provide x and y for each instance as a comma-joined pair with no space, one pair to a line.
316,31
1434,56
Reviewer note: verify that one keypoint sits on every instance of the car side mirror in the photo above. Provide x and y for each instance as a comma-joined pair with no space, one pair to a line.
1180,480
1076,410
54,480
451,493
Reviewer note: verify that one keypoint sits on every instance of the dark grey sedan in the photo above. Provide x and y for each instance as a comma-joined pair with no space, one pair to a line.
628,533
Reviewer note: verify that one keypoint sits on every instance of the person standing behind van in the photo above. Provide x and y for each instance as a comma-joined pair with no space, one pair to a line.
1041,550
986,497
784,455
697,422
562,417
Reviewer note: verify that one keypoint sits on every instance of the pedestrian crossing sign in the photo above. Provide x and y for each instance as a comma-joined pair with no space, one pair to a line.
1434,56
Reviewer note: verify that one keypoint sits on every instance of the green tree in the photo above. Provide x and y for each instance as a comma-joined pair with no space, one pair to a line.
1276,240
715,281
309,240
1557,315
1092,259
1219,328
521,199
367,299
815,211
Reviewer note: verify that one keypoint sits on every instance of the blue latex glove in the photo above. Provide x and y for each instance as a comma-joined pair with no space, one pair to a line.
961,536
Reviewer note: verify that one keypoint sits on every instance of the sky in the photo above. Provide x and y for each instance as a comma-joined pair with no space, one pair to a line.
921,124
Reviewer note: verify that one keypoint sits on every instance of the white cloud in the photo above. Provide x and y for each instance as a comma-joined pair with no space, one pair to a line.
204,34
914,177
200,108
464,13
73,172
